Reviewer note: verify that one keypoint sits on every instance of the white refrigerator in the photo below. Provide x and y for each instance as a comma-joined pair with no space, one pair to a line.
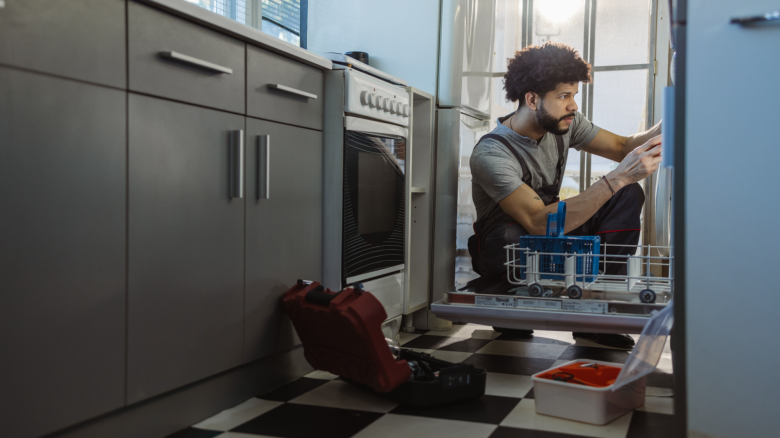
462,116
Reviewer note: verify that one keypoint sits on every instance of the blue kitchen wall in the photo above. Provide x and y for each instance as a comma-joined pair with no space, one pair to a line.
400,36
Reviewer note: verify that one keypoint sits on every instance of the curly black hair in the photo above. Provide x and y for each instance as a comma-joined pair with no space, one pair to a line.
539,69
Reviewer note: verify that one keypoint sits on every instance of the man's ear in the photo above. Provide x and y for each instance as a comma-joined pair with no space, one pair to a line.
532,100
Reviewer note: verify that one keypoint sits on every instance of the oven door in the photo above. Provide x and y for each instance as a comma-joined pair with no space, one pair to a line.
374,202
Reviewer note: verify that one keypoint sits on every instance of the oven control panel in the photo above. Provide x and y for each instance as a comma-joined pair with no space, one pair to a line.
371,97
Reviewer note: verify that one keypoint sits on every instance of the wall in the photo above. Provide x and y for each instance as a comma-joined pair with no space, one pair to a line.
400,36
731,240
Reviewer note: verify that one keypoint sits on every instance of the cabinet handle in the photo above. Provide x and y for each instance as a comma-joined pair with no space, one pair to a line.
195,61
236,159
768,16
263,166
291,90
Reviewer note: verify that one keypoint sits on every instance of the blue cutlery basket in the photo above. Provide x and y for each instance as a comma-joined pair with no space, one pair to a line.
551,267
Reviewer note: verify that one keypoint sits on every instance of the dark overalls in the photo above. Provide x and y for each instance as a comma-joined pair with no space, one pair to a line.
616,222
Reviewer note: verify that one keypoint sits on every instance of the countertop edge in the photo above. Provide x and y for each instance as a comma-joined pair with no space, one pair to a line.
237,30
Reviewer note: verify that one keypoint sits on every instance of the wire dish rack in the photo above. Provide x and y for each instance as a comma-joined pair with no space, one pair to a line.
536,270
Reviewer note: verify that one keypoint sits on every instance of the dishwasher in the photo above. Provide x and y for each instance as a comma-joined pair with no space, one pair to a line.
555,291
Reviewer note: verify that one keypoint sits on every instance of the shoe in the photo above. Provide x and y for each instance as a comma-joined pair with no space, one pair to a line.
518,333
608,339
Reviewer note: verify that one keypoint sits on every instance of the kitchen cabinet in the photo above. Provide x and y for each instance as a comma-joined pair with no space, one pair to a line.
283,90
174,58
186,247
79,39
62,251
283,230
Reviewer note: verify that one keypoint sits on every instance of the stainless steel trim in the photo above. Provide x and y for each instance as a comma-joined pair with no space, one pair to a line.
236,160
371,126
263,166
291,90
197,62
374,274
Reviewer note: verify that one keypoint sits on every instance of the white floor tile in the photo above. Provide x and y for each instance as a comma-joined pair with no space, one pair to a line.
406,337
508,385
238,415
550,334
524,415
468,331
322,375
524,349
407,426
658,405
449,356
337,394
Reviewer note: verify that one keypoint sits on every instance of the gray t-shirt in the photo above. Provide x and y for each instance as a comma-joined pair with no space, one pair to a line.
495,172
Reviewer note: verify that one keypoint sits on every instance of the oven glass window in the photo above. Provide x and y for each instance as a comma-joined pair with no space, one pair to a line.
374,188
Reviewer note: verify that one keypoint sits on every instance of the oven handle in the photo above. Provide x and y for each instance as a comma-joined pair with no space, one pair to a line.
263,166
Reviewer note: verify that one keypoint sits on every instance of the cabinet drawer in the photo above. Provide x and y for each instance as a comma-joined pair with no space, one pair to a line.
79,39
283,90
171,57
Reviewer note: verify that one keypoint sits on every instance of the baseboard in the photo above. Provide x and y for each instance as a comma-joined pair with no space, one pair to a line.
178,409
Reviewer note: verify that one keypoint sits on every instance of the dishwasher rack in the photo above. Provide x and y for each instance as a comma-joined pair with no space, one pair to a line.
637,282
568,300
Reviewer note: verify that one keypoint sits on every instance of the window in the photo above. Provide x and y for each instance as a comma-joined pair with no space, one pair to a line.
279,18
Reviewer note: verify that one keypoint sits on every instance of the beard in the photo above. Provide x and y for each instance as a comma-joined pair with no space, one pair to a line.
549,123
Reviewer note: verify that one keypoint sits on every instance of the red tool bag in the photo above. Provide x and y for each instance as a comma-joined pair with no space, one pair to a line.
341,333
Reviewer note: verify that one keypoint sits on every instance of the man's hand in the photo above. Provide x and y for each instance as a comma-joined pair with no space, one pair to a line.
638,164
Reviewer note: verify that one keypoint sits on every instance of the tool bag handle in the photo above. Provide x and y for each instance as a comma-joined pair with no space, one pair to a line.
556,222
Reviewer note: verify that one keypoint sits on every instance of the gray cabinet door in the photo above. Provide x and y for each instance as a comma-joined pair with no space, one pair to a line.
152,32
80,39
186,247
283,232
62,252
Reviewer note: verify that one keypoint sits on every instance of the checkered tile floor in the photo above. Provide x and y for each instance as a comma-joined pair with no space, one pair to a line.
321,405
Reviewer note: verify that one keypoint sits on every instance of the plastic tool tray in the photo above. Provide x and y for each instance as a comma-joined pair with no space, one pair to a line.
554,248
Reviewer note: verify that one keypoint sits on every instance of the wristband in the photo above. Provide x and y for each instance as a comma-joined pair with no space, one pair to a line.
604,177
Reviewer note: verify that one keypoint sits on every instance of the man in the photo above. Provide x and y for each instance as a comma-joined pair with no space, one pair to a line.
518,167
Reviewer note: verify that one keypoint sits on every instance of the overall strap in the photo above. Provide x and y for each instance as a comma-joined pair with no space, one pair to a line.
561,160
526,174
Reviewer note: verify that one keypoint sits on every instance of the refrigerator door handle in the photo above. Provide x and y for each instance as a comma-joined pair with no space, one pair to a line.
768,16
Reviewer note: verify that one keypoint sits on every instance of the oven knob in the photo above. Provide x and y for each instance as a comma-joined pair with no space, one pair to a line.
371,98
393,107
405,110
386,104
364,98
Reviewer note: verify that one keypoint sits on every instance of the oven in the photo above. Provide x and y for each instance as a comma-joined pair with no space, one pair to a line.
374,187
365,182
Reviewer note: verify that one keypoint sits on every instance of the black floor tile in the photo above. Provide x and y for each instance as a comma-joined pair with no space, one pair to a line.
486,409
594,353
191,432
530,394
494,363
292,420
652,425
534,339
511,432
293,389
447,343
660,380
